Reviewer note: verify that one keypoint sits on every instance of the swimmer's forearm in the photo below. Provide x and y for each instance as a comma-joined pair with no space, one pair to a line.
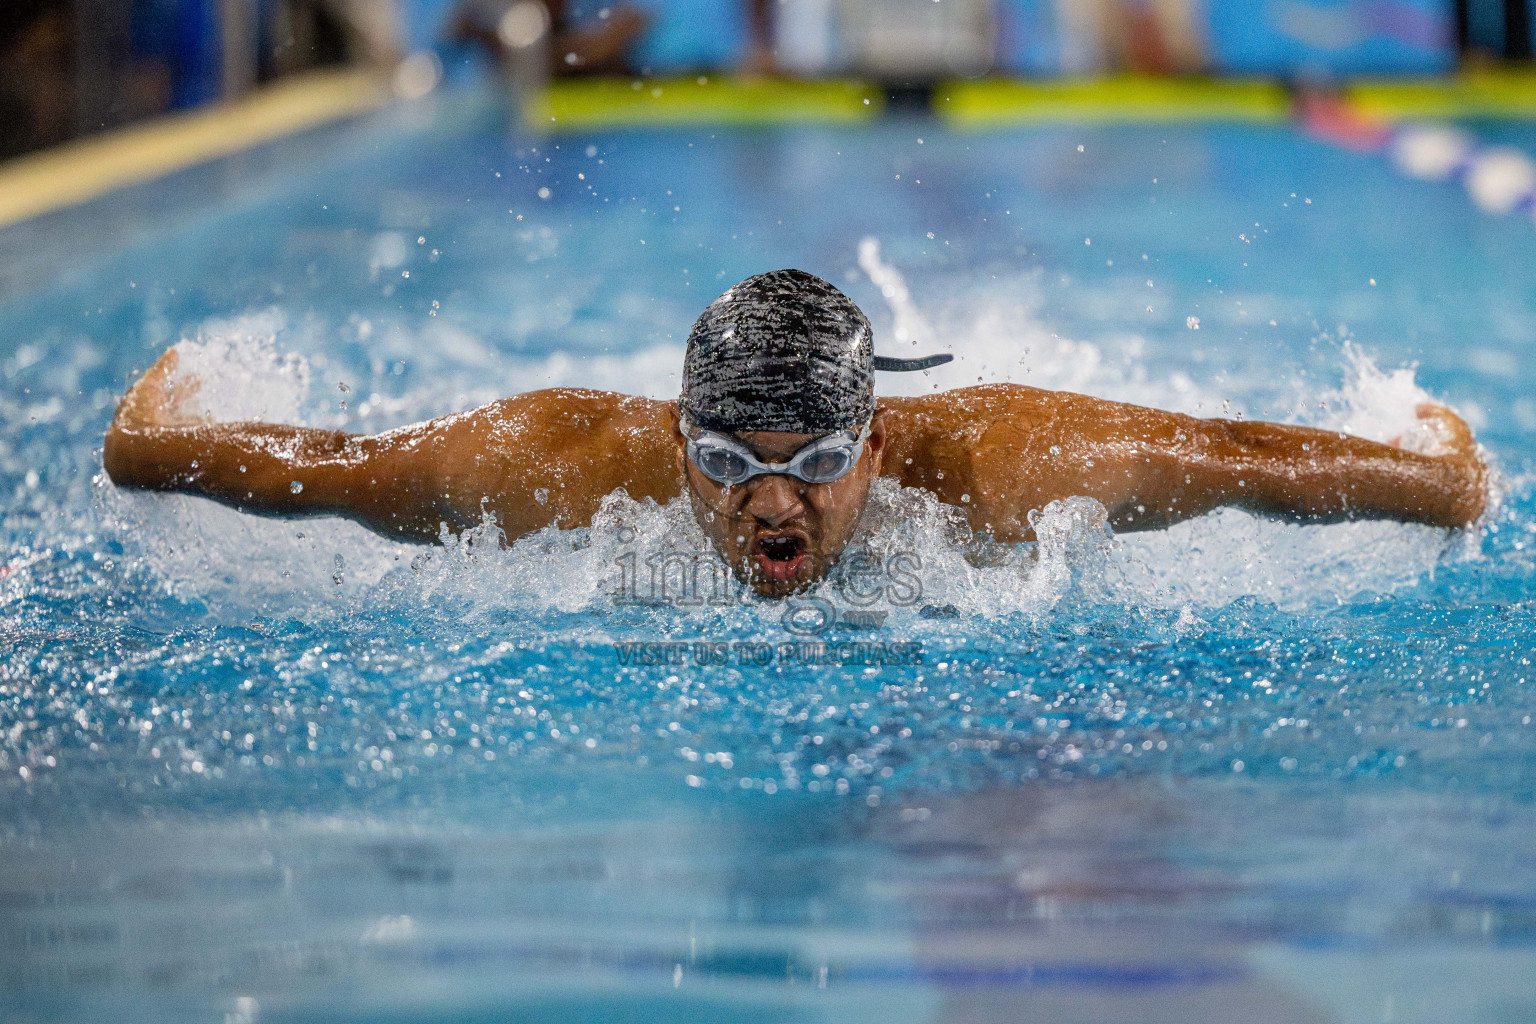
254,466
1307,475
277,470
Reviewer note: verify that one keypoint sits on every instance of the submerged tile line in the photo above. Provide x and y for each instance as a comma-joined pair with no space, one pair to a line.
786,965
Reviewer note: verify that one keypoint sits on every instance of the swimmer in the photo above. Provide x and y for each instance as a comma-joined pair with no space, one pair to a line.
775,440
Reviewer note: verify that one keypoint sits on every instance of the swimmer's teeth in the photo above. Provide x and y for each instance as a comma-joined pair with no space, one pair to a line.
780,549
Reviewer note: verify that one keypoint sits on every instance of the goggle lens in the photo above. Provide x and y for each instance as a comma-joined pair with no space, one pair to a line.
826,466
722,465
725,461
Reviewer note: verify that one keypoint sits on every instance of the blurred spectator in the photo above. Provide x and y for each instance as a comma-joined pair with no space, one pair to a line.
804,35
1161,37
1147,36
299,34
1490,29
36,60
70,67
908,42
760,39
507,29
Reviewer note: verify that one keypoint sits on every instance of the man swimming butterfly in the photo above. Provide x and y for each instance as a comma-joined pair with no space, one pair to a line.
776,438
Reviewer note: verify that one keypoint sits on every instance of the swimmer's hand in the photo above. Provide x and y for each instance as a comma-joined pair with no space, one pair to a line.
1453,444
157,399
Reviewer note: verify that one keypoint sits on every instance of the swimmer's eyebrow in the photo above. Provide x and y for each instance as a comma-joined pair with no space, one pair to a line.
778,457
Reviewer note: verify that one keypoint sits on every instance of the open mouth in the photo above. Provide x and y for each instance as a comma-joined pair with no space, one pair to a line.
778,555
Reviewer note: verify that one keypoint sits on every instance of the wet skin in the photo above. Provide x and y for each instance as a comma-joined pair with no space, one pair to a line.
996,451
776,531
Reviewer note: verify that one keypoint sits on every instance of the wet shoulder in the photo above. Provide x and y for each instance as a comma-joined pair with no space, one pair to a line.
963,412
574,408
593,441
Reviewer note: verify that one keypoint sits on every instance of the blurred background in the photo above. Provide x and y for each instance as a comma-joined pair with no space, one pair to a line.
72,67
1240,771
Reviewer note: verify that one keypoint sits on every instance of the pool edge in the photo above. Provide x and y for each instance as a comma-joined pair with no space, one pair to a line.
78,171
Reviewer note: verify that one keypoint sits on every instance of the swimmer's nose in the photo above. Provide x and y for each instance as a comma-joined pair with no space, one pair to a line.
774,500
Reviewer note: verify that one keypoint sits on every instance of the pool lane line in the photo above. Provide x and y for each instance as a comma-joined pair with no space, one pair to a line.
81,170
576,104
1500,180
583,103
1129,98
794,966
1480,93
1002,102
86,168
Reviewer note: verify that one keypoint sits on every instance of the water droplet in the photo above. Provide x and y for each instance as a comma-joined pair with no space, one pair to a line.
1192,322
342,387
296,487
541,495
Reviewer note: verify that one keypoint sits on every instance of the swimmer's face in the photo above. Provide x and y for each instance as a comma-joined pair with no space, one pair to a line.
778,533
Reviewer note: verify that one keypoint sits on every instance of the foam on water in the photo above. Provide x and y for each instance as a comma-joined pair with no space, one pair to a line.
239,374
269,768
236,565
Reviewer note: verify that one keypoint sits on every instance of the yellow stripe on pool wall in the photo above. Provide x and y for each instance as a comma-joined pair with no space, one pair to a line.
87,168
1123,98
1477,93
581,103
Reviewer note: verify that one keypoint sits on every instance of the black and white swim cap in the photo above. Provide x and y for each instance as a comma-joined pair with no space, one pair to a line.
786,351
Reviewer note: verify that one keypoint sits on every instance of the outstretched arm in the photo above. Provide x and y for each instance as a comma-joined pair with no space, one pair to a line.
392,483
1310,475
1152,469
538,459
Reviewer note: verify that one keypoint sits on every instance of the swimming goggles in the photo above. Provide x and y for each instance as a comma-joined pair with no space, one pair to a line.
727,461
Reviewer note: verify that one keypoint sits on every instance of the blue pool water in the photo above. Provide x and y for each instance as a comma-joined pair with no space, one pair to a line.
274,771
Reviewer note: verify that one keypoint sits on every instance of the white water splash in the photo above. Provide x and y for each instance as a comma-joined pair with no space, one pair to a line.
1378,404
910,325
240,373
997,335
239,565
